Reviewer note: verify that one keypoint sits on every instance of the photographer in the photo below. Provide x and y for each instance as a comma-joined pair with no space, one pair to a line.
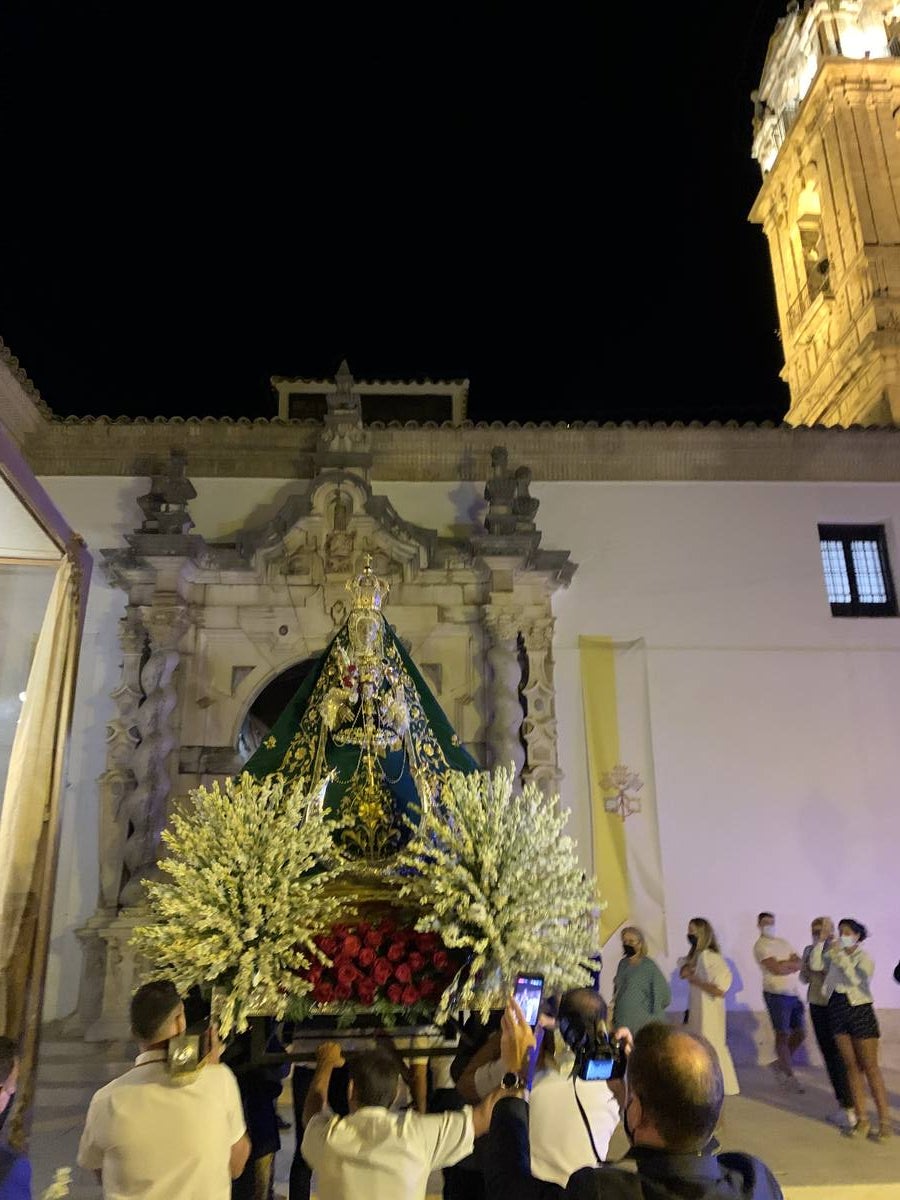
156,1133
671,1098
572,1120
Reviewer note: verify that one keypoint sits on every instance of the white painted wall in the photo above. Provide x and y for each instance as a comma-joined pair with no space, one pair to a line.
773,723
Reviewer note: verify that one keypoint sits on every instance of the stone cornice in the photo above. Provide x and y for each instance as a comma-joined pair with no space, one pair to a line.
577,451
838,80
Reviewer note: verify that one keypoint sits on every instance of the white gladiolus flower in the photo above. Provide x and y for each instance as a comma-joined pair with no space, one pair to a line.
496,875
244,898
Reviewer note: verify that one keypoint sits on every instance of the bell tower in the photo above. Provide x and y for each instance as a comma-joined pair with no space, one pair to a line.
826,134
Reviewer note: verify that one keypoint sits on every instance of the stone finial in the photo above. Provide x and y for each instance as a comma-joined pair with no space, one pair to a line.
344,399
500,491
524,505
165,505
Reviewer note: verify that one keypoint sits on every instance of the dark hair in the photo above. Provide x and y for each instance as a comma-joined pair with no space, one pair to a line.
151,1006
678,1080
771,917
857,926
375,1076
579,1011
9,1052
706,938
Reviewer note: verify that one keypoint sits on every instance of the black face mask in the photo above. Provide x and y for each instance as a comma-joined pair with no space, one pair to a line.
629,951
692,938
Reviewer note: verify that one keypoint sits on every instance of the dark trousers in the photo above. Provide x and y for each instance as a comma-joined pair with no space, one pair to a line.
834,1063
301,1175
465,1181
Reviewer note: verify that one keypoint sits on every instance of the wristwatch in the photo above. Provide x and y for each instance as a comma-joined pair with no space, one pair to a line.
512,1082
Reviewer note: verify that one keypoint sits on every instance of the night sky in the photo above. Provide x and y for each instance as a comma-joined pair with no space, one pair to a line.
550,201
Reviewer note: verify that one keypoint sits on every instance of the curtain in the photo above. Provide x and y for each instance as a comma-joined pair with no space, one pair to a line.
31,800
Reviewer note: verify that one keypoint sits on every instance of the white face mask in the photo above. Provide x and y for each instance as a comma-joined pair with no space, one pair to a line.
768,930
848,941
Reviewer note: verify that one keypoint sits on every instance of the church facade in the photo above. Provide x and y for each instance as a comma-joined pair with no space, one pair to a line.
751,569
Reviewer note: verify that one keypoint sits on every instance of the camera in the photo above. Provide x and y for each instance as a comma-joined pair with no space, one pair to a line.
187,1053
598,1056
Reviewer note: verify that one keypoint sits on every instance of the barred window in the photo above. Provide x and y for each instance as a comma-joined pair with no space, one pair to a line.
857,571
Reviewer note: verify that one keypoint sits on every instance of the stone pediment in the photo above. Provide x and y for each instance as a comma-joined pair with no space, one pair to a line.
318,537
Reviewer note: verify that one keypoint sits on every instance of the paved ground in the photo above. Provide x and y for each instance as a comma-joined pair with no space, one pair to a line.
790,1132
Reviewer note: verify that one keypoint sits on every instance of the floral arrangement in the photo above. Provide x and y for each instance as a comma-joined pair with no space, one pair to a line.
245,901
398,973
490,883
493,873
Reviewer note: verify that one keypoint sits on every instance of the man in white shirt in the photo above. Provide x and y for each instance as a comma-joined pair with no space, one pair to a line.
150,1135
374,1152
780,964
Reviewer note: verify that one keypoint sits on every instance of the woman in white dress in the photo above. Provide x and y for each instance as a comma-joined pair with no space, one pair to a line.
709,977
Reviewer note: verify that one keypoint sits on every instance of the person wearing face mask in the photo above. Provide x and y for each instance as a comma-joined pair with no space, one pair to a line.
709,978
823,936
847,987
779,963
640,991
671,1100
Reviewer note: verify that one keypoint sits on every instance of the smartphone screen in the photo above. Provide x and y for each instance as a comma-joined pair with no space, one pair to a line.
528,993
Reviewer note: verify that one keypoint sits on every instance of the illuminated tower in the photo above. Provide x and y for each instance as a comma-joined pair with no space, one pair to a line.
827,138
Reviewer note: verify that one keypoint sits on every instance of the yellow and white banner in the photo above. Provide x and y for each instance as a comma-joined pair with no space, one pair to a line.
627,860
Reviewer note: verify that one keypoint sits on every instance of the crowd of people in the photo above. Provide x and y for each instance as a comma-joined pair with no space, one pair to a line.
503,1108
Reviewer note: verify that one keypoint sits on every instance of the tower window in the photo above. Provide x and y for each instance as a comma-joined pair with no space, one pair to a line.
857,571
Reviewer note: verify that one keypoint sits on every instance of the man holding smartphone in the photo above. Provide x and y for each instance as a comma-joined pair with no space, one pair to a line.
571,1120
671,1100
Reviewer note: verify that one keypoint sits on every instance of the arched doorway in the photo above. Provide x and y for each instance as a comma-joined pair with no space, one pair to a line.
269,705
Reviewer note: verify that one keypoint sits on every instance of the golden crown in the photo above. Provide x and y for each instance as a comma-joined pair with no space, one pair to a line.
369,592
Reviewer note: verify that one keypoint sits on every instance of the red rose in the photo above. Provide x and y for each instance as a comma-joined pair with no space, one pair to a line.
328,946
388,925
382,971
441,960
363,927
365,990
342,960
396,951
403,973
428,988
340,930
323,992
343,991
374,938
314,974
351,945
416,960
346,974
366,956
410,996
395,993
427,942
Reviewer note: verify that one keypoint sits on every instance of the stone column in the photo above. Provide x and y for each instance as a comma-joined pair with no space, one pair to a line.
116,786
539,725
505,713
117,783
146,807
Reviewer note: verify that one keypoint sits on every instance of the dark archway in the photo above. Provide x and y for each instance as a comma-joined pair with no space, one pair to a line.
269,705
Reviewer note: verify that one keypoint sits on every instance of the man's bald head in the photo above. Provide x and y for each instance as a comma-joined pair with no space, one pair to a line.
678,1080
